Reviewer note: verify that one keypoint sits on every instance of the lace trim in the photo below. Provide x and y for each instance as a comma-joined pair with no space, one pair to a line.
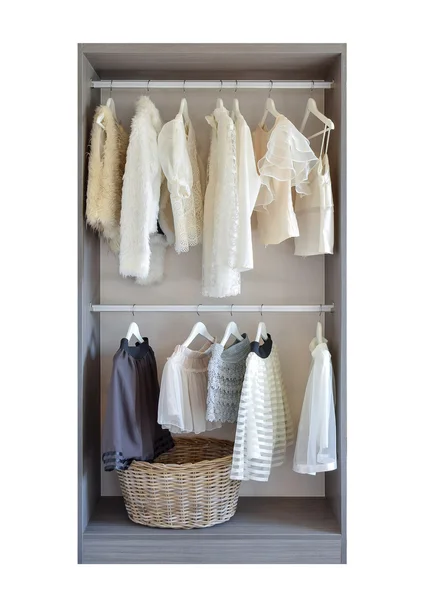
188,206
225,381
195,228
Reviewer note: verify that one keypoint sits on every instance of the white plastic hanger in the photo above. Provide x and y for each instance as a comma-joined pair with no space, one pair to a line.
198,329
219,103
111,105
270,107
235,109
184,111
134,330
231,329
261,332
311,108
319,333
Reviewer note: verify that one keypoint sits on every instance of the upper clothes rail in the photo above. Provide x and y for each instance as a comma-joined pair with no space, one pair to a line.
231,308
233,84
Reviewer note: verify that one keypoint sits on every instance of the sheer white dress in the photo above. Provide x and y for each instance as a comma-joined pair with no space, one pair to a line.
183,391
315,449
179,161
232,189
264,427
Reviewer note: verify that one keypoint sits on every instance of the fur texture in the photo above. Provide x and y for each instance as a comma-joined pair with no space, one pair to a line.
141,199
108,149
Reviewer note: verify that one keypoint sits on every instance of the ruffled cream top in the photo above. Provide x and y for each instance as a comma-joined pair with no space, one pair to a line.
284,160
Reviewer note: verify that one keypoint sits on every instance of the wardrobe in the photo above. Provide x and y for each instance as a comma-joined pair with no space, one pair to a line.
292,518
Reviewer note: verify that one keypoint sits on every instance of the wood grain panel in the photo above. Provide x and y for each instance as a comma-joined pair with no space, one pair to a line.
120,549
263,530
234,60
88,322
336,285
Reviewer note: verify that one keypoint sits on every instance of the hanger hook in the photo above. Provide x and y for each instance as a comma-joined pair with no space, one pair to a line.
197,309
236,88
184,87
133,309
320,313
271,87
147,87
312,87
221,86
110,89
261,309
231,310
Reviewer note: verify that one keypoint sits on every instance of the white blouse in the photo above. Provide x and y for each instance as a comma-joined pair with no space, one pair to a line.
264,427
179,161
183,391
315,450
284,160
229,200
315,213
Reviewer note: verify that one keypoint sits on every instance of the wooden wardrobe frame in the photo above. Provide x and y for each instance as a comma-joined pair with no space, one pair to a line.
275,530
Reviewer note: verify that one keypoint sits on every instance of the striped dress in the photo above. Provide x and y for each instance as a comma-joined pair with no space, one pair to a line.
264,427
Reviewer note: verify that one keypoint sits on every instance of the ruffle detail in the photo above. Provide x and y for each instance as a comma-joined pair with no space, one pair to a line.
289,157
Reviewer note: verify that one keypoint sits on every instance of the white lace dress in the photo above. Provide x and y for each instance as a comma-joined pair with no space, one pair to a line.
284,160
226,371
264,427
229,200
315,449
179,161
183,391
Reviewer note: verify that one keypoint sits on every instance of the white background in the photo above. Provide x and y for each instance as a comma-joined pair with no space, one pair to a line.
385,294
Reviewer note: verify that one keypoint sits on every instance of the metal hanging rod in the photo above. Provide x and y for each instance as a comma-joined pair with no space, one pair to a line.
228,308
218,85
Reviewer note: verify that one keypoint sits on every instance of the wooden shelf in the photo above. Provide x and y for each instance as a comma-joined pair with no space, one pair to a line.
263,530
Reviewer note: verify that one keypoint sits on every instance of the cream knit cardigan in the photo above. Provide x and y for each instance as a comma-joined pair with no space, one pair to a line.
108,147
144,203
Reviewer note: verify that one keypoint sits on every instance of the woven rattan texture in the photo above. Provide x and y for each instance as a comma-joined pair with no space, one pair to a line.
186,488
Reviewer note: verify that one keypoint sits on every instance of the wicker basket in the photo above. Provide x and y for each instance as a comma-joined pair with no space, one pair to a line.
185,488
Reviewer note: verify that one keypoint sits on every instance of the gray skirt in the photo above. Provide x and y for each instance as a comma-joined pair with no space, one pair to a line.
130,430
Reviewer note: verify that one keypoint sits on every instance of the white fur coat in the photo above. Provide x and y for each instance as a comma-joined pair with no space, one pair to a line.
142,248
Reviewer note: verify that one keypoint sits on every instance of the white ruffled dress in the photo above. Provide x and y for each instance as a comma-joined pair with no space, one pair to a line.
284,160
315,449
183,391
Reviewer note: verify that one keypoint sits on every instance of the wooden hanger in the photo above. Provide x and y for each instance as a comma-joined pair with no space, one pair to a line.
198,329
311,108
231,329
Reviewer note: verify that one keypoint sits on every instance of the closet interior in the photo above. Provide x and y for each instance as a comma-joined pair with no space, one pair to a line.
293,517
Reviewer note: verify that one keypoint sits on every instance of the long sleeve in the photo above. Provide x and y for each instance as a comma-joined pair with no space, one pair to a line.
248,188
140,192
